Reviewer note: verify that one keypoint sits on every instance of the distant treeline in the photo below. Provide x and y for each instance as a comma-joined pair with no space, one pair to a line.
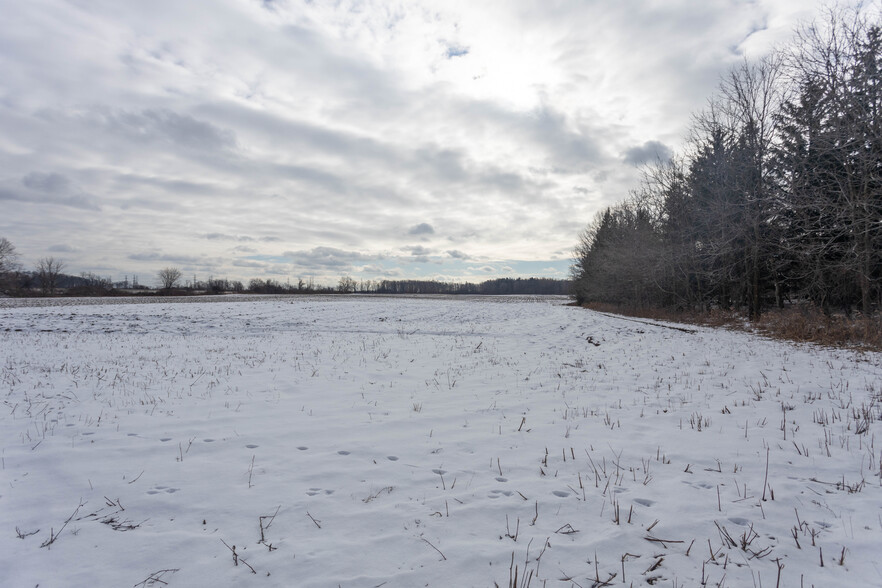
37,283
778,195
347,285
497,287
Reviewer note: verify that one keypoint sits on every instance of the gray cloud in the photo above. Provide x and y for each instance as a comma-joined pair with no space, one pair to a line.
648,152
421,229
185,260
165,127
328,258
248,263
456,254
240,238
50,183
80,201
61,248
417,250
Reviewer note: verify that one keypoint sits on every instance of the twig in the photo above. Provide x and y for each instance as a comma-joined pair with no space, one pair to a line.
313,520
53,536
156,577
443,557
766,480
237,558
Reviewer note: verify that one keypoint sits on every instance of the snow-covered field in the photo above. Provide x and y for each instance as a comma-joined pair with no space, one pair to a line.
360,441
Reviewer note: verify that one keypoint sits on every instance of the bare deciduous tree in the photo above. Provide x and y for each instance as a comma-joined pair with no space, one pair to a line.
8,264
169,277
48,270
347,285
8,256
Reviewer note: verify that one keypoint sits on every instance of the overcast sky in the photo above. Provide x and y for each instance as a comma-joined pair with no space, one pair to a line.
457,140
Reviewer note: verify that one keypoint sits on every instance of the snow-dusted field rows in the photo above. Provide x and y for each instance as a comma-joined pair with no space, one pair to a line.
428,442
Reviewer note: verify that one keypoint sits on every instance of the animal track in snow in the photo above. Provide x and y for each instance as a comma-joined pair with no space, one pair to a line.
166,489
314,491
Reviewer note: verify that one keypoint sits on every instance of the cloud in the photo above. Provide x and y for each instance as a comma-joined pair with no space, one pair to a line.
421,229
457,254
80,201
186,260
61,248
52,183
248,263
649,151
241,238
327,258
417,250
165,127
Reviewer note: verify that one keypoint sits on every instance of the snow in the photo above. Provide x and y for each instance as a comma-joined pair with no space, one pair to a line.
394,441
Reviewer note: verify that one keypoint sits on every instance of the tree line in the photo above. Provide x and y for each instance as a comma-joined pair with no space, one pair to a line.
48,279
777,196
495,287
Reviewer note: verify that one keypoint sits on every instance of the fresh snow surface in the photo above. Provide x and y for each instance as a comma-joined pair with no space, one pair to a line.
382,441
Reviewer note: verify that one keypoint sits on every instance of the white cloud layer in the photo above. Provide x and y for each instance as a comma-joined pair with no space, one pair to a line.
331,137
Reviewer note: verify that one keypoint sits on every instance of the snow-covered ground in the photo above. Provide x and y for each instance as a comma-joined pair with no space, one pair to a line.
359,441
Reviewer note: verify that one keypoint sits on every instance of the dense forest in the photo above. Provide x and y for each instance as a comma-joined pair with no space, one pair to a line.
777,196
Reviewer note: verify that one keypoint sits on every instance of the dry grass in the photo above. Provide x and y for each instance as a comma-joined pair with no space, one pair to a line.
803,322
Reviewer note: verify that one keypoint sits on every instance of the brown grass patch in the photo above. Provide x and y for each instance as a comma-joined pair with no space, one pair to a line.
800,322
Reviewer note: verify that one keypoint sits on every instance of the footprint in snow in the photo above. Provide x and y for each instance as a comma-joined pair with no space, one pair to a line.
302,448
392,458
131,434
252,446
739,521
561,493
208,440
342,452
644,501
498,493
164,439
166,489
440,472
314,491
